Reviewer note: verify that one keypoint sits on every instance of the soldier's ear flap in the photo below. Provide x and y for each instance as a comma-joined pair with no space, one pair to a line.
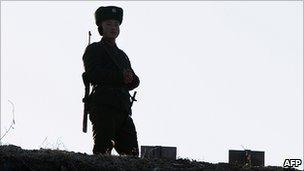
100,30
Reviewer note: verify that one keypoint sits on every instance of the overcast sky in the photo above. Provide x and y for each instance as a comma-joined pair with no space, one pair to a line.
214,75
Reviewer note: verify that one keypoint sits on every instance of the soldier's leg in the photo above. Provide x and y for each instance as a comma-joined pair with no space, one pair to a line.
126,138
103,129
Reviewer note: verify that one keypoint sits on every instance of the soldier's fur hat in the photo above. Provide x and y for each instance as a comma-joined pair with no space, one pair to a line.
108,12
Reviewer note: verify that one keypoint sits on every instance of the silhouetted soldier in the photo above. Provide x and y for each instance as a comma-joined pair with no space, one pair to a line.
109,70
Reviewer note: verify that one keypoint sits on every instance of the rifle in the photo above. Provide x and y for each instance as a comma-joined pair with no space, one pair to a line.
85,100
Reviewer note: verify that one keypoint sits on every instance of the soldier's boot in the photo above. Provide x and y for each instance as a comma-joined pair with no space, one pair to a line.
104,149
108,151
135,152
129,152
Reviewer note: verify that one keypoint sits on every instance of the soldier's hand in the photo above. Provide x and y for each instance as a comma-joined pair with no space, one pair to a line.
128,76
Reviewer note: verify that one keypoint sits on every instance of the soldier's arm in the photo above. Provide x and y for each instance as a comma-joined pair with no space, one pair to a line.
96,73
135,82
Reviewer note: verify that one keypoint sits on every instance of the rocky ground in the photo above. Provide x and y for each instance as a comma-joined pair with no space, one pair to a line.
15,158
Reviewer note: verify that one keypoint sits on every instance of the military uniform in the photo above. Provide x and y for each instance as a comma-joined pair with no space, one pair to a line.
109,103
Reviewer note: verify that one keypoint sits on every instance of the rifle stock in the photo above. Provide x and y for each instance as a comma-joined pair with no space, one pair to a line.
84,123
85,100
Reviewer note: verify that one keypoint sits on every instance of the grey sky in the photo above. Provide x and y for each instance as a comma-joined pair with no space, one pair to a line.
214,75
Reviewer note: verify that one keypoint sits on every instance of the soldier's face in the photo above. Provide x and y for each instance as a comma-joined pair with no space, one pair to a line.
110,28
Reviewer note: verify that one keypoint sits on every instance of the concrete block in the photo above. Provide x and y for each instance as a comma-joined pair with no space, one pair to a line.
158,152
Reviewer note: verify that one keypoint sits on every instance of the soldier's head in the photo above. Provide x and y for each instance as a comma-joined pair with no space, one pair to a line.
108,20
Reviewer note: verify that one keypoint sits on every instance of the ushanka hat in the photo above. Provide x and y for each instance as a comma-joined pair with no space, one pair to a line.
108,12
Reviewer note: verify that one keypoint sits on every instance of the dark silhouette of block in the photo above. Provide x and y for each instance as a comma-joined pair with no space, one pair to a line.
158,152
247,157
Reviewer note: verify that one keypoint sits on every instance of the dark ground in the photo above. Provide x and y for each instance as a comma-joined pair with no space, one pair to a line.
14,158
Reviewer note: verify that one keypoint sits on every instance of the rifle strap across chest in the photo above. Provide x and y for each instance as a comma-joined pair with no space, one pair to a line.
112,57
